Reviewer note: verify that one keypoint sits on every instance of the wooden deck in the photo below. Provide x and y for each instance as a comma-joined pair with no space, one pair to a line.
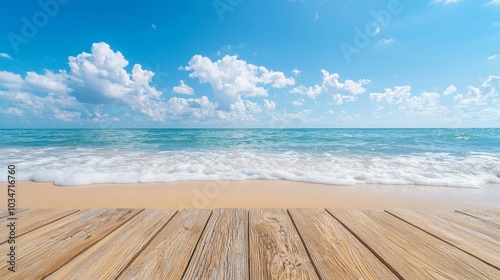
253,244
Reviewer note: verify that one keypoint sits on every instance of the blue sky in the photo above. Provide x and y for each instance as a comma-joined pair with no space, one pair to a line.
242,63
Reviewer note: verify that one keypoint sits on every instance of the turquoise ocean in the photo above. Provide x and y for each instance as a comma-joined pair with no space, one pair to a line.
440,157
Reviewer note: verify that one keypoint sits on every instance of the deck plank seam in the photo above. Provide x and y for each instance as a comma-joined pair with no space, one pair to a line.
67,215
382,260
197,243
89,246
476,217
445,241
248,245
304,244
145,246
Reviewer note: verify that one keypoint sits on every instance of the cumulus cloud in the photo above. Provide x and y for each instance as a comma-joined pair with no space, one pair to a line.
183,89
296,72
56,106
450,90
232,78
392,96
94,78
340,91
427,104
14,111
269,105
299,102
478,96
10,80
311,92
47,82
100,77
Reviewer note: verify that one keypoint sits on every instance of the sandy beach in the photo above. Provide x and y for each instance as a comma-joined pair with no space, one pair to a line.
251,194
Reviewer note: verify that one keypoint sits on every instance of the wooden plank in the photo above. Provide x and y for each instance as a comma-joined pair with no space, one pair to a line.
168,254
461,237
411,252
489,230
5,212
276,250
489,216
32,219
44,250
222,252
109,257
335,252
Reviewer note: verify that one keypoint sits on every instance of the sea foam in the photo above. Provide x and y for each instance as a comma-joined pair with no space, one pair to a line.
82,166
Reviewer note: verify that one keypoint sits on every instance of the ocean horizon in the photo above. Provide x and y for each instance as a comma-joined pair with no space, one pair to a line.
458,157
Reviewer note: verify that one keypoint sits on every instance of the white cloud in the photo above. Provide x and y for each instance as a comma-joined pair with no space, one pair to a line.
346,91
450,90
296,72
301,116
427,104
392,96
231,78
494,2
448,1
311,92
14,111
488,92
183,89
10,80
96,78
386,41
48,82
53,106
4,55
299,102
316,16
253,106
340,91
492,57
269,105
100,78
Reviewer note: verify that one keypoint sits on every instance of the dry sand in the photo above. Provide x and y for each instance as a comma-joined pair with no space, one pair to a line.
251,194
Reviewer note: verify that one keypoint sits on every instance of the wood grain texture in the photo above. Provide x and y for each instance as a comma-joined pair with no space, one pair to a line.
32,219
461,237
109,257
413,253
276,250
489,216
222,252
489,230
4,212
42,251
335,252
169,252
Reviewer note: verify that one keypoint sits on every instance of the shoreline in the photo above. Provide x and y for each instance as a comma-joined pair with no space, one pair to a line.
251,194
